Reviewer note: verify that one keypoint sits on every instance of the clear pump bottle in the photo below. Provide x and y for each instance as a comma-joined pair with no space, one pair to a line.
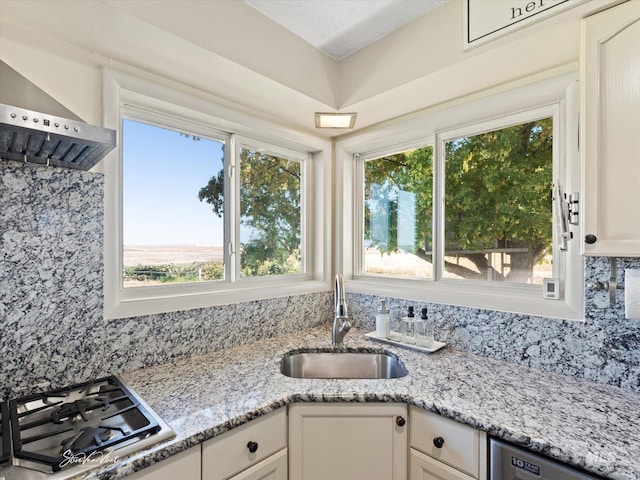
408,327
393,329
425,330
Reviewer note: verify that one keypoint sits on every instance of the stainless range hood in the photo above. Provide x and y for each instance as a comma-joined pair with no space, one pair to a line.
44,139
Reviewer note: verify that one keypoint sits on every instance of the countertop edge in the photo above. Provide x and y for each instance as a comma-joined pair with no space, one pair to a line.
589,462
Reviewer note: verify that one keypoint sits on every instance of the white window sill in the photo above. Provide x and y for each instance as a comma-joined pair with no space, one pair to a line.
250,291
487,297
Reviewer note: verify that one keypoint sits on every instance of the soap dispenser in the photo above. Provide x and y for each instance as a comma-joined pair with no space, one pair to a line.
408,327
394,329
382,319
425,330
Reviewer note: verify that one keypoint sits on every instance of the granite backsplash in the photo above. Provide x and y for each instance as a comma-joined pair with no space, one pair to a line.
604,348
52,330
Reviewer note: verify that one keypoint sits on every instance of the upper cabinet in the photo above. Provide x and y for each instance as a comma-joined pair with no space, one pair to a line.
610,131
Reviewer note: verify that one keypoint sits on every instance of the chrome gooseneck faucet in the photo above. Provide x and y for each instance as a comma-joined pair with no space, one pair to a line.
341,323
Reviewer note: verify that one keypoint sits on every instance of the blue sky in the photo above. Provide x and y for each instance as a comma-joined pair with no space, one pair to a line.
163,172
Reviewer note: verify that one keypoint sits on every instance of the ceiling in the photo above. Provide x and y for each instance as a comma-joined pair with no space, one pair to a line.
228,52
283,69
342,27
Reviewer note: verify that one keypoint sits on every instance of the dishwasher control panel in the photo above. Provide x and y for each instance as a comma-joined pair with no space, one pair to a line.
508,462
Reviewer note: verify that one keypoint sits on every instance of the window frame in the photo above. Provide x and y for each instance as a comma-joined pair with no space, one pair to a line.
139,99
162,120
552,111
305,186
502,107
359,250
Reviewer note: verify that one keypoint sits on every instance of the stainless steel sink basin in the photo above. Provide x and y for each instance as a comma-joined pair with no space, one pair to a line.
342,365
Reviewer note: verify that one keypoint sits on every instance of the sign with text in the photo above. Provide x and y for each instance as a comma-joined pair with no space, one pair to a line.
487,19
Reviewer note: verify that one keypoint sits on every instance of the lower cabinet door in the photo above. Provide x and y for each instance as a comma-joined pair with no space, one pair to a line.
184,465
423,467
271,468
348,441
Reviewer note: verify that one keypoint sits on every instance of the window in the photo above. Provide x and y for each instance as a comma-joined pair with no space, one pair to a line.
498,222
398,214
206,206
169,234
456,206
498,211
270,214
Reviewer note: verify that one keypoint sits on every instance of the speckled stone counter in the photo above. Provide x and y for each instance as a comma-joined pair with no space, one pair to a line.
593,426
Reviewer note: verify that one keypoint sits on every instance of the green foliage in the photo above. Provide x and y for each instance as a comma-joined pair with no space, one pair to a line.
213,193
172,273
411,172
505,178
269,212
497,195
264,267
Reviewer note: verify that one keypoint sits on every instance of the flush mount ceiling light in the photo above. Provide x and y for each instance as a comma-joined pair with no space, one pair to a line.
335,120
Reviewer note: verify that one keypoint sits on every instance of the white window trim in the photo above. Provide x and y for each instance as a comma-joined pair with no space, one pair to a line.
559,94
306,186
207,117
549,111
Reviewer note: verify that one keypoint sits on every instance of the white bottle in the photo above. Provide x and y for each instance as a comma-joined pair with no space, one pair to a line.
382,319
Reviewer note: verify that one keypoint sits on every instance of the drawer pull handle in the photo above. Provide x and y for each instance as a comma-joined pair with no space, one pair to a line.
253,447
400,421
438,442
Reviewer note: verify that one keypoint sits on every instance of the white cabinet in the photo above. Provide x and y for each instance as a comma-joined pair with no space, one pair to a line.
347,441
610,131
335,441
184,465
423,467
271,468
255,450
444,449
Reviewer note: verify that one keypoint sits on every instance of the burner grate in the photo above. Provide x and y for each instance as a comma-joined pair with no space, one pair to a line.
5,446
76,421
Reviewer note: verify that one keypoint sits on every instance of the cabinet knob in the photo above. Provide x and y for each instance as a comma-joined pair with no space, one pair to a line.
438,442
253,447
400,421
590,239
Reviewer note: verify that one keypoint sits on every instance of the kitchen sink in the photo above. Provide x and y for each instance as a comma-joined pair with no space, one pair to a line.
339,364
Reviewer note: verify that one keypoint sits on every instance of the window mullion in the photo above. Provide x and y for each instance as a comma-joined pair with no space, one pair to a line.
358,214
438,208
232,219
306,229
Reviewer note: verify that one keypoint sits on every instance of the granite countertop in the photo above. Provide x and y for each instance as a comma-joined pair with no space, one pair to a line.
593,426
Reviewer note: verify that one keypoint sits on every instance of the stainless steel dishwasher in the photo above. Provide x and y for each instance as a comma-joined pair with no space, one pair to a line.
508,462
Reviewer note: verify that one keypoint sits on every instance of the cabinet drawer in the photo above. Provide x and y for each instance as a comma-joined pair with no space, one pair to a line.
422,467
185,466
461,443
229,453
273,468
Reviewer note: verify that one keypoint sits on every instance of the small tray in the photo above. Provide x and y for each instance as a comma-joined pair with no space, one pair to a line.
433,348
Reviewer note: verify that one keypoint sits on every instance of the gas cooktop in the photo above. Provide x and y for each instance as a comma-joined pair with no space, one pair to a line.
64,432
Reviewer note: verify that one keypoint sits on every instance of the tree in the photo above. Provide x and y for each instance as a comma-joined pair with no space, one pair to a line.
497,196
270,212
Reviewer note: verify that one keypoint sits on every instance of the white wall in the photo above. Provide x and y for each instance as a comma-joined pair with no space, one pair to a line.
424,63
226,51
60,45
